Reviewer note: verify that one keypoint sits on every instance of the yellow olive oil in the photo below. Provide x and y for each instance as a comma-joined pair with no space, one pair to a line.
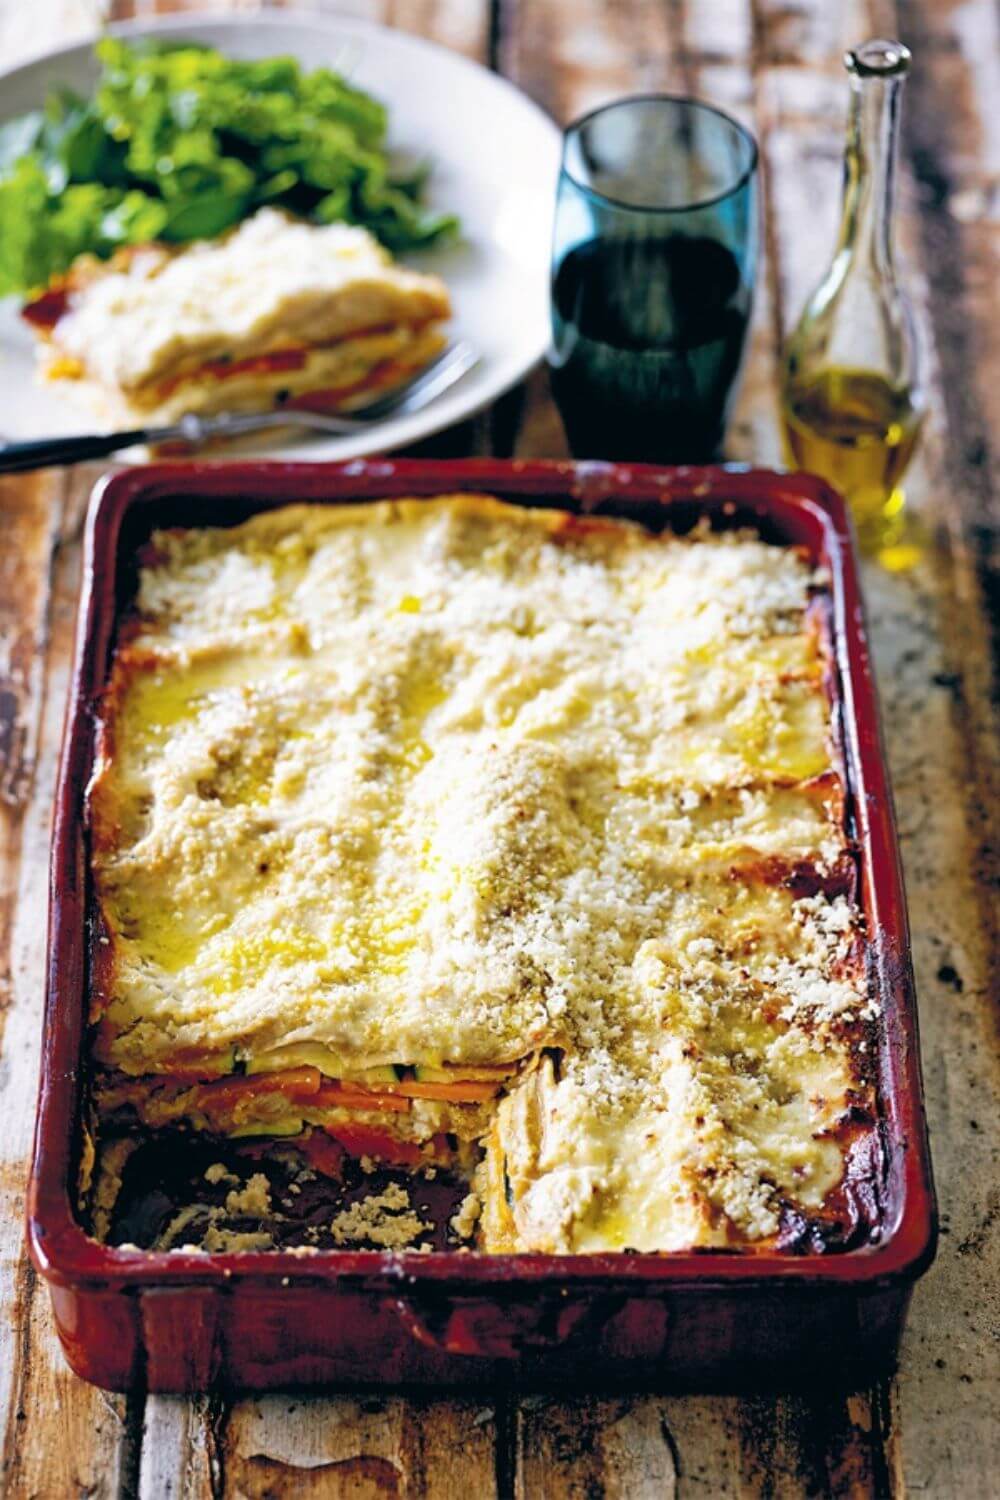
856,430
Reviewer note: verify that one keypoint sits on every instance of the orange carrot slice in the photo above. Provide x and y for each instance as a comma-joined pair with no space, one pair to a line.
295,1082
356,1096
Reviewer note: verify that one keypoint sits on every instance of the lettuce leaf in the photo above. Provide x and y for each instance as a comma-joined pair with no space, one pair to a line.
181,143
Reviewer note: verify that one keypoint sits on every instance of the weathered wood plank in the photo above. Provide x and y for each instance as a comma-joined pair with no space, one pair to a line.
569,65
368,1447
914,634
458,24
952,139
719,49
924,633
60,1437
761,1448
571,62
30,512
180,1449
950,825
29,507
620,1449
949,1363
462,26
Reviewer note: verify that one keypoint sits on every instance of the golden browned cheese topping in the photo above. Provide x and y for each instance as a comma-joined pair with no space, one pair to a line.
450,784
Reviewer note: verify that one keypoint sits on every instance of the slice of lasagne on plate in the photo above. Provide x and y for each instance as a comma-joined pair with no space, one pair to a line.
448,848
277,311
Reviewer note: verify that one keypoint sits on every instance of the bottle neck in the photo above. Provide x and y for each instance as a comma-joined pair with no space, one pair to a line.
870,173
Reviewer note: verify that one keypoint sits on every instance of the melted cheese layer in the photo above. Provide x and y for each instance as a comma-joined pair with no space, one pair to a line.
447,781
344,375
155,317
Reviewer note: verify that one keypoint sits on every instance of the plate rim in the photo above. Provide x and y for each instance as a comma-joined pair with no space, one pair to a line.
418,426
242,20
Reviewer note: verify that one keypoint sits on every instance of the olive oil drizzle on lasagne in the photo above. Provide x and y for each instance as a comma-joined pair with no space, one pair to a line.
494,839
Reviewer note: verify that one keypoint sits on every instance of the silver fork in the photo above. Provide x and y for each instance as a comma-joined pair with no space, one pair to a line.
414,394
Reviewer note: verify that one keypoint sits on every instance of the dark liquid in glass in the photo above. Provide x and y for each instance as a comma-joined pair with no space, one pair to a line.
648,338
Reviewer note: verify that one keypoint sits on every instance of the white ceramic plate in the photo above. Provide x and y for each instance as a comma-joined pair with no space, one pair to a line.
495,160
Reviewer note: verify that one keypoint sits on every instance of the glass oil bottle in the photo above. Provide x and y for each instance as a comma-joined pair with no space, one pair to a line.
852,389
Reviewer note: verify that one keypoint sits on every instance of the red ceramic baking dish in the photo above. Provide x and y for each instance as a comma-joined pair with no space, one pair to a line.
712,1320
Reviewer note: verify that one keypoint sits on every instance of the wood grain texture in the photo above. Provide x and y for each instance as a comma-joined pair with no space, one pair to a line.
933,1431
572,59
618,1448
180,1457
28,507
80,1445
366,1447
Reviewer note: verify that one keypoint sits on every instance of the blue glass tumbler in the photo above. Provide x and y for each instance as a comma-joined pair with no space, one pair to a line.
653,264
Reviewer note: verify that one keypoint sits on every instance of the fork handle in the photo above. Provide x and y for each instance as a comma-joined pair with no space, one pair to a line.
40,453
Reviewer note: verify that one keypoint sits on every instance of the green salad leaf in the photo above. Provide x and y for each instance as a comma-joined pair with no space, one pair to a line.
181,143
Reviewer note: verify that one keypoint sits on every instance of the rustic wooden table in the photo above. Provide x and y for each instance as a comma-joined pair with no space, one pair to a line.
934,1429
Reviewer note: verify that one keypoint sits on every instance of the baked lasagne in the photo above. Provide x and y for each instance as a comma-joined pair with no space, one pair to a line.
448,845
277,310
